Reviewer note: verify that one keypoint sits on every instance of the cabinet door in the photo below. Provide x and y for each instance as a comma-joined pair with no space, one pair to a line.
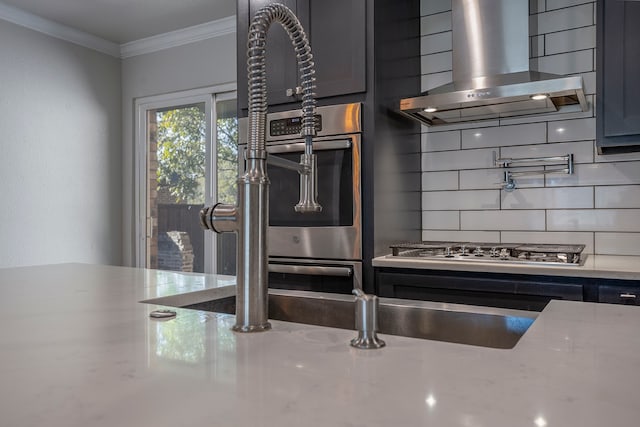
281,64
338,41
618,67
619,295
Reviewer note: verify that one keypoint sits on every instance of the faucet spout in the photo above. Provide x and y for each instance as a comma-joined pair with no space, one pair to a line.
250,218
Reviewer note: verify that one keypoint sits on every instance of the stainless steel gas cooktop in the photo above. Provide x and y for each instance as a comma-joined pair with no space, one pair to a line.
542,254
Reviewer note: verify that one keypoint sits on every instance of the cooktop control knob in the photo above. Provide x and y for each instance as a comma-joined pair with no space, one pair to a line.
504,253
463,251
478,251
447,252
493,253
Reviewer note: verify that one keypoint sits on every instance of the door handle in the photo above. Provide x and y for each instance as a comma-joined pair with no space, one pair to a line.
311,270
336,144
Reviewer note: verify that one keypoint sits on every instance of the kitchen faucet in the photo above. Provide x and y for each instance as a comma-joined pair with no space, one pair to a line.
250,217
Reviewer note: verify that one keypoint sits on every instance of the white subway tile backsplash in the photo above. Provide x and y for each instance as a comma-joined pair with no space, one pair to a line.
436,63
562,19
534,133
440,141
589,81
559,4
441,220
548,198
537,46
460,200
455,160
434,181
551,237
502,220
618,220
572,130
536,6
429,81
569,113
437,23
429,7
435,43
582,151
617,243
461,236
465,125
622,173
580,61
484,179
623,196
570,40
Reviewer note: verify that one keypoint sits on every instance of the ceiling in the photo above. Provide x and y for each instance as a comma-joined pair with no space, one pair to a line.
122,21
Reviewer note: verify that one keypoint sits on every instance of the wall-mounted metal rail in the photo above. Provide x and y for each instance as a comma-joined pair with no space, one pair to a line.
551,164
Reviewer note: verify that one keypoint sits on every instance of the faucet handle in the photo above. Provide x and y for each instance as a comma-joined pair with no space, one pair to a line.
366,321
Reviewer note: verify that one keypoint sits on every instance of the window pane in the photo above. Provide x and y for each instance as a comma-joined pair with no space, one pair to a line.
227,140
176,187
227,173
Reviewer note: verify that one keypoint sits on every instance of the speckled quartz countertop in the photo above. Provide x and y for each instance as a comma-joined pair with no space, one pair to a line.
78,349
596,266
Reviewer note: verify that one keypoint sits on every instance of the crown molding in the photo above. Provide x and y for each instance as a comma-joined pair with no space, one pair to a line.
175,38
59,31
180,37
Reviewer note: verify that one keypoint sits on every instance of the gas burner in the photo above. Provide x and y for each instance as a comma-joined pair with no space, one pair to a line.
540,254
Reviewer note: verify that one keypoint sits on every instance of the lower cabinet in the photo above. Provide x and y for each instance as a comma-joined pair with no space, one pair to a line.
522,292
615,293
515,291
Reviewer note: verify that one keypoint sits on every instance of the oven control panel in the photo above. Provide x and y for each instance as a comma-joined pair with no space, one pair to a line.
291,126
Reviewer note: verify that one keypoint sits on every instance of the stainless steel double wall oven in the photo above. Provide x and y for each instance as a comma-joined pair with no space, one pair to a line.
319,251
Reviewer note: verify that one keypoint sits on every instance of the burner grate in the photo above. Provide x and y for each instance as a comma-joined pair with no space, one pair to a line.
494,252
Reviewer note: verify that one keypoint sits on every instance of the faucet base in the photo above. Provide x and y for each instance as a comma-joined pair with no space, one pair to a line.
251,328
367,341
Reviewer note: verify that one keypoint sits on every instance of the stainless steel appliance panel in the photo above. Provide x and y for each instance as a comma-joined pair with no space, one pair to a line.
315,275
335,233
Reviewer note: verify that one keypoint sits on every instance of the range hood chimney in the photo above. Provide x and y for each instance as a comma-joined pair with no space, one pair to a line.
491,76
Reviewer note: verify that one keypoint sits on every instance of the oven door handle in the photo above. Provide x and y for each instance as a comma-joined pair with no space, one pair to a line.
298,147
311,270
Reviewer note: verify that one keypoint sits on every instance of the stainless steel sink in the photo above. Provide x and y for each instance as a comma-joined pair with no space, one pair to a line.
481,326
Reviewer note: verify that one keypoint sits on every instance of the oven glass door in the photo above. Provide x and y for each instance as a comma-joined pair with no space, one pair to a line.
335,186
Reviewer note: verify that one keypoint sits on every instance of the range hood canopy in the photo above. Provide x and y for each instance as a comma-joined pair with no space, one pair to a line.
491,76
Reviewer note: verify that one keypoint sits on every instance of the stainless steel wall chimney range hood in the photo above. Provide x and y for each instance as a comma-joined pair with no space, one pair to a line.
491,76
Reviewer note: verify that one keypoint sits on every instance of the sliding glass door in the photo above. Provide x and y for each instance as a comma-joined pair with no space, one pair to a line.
187,158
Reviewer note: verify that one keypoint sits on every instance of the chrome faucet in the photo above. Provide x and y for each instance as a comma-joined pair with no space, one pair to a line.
250,218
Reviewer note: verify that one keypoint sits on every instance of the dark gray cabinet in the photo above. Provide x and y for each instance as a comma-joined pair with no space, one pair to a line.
516,291
337,33
618,68
619,294
282,73
338,40
522,292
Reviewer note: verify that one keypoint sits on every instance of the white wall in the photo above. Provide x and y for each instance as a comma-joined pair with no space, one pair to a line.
60,151
599,205
205,63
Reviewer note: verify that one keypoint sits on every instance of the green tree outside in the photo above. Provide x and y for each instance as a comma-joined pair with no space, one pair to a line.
181,138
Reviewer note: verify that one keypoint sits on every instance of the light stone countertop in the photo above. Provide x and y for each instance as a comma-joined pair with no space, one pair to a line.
595,266
78,349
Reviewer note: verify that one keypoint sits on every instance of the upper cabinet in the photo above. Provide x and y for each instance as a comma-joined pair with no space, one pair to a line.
337,33
338,41
618,68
